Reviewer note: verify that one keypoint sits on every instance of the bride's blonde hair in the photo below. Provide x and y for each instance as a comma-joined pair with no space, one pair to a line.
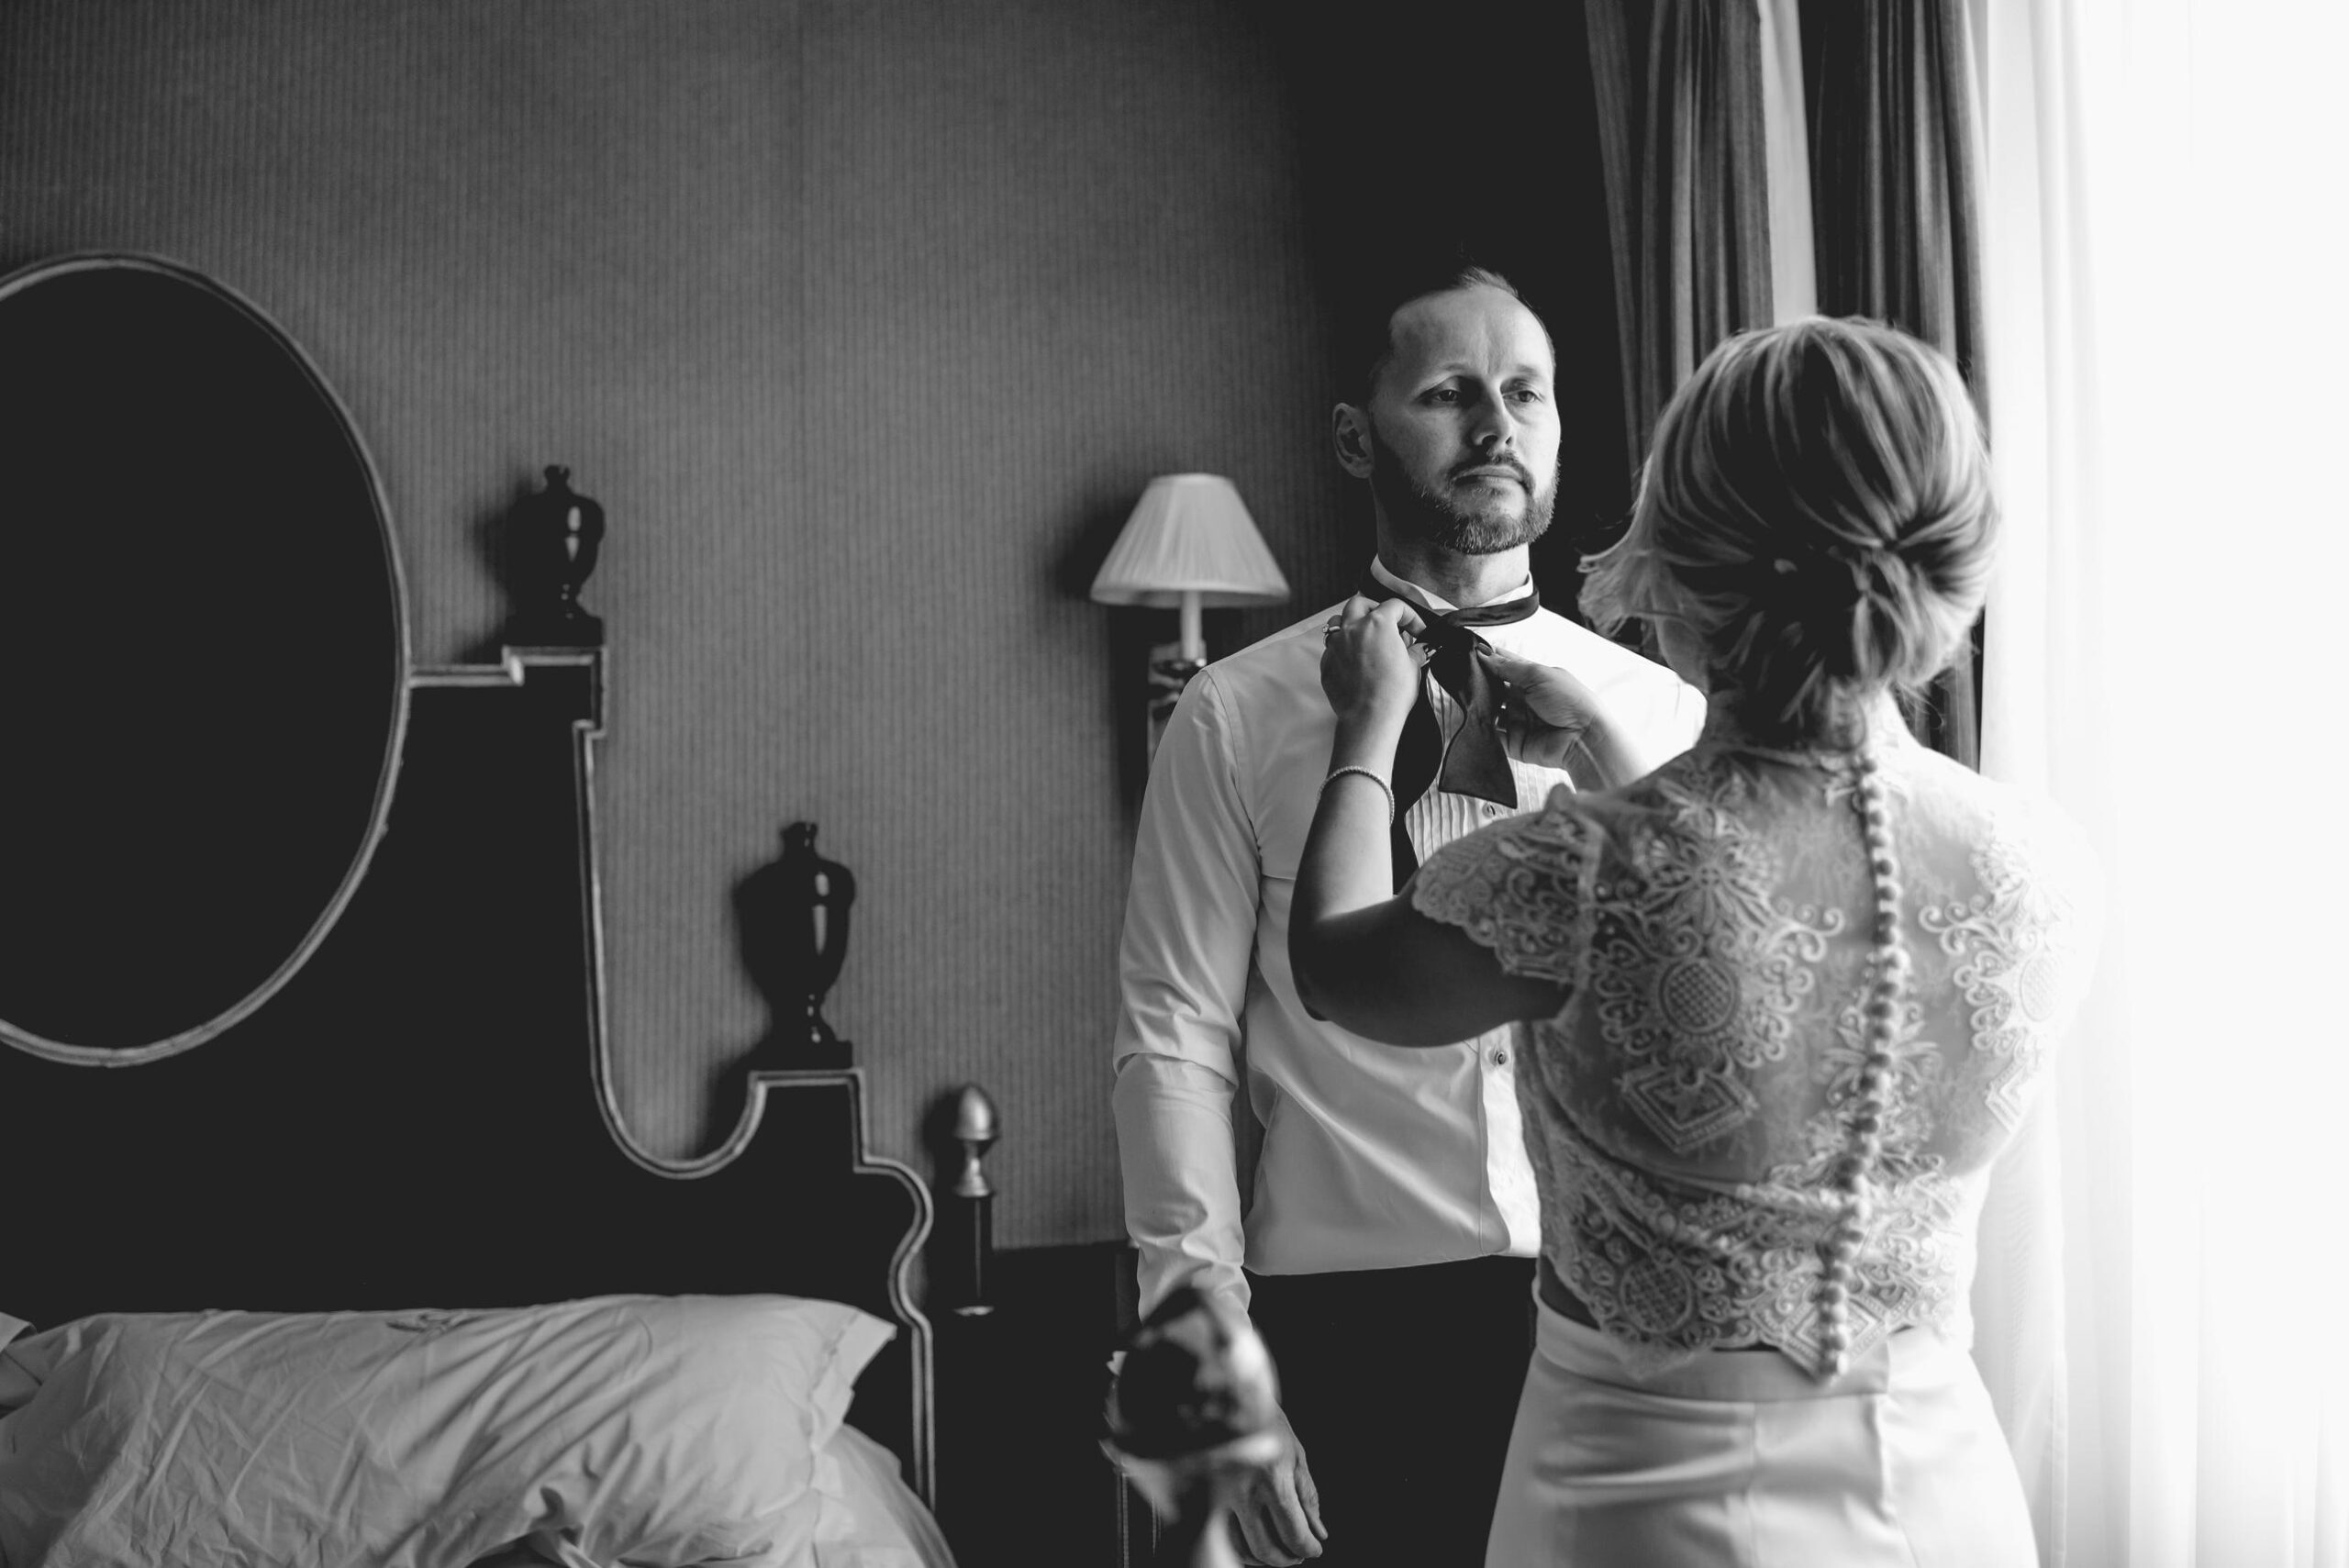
1817,507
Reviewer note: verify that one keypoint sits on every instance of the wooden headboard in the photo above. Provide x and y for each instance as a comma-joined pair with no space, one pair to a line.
423,1116
301,975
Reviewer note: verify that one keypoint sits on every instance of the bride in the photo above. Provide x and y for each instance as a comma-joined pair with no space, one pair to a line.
1787,997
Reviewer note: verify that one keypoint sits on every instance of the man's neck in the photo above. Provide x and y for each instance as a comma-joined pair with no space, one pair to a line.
1464,581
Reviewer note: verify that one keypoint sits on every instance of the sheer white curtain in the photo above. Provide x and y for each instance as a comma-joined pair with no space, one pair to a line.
2164,1321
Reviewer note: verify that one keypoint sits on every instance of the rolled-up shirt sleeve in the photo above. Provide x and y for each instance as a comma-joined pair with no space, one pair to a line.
1183,980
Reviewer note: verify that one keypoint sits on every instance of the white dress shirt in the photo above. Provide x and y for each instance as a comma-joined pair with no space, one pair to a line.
1372,1156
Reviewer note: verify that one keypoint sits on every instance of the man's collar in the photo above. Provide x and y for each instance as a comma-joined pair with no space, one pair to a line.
1436,602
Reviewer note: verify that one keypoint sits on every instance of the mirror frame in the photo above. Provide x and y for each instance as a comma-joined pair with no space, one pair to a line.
29,277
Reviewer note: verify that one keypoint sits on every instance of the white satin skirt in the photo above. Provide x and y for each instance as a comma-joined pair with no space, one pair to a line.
1741,1458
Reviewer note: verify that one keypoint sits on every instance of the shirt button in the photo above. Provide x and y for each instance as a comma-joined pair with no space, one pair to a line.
1491,810
1500,1056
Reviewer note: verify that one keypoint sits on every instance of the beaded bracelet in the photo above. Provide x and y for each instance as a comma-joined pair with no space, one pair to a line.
1384,787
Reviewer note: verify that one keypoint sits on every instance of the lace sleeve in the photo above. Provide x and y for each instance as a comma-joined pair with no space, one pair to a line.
1519,887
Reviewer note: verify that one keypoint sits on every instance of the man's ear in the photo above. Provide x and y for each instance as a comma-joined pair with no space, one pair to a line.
1350,433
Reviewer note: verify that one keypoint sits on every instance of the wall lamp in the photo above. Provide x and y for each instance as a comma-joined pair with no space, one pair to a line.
1189,545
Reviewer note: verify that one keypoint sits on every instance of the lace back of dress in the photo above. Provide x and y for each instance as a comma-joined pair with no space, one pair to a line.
1864,1130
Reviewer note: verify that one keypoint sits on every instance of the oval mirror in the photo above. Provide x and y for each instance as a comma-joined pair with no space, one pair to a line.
203,659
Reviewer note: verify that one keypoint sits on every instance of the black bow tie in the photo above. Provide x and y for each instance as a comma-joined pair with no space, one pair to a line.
1473,760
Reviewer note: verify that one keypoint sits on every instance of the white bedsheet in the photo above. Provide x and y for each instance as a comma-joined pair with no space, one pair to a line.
880,1522
869,1518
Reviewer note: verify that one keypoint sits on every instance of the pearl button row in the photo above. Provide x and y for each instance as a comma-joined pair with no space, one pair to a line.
1864,1130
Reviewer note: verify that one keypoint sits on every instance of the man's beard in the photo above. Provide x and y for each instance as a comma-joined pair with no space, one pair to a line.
1440,521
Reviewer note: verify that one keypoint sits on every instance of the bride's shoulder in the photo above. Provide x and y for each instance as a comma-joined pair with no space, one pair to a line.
1682,798
2013,834
1995,804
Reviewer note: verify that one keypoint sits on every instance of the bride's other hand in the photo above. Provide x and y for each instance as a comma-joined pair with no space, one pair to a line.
1548,709
1551,716
1370,667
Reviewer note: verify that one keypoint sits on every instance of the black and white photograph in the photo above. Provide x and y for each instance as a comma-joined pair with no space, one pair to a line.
1173,783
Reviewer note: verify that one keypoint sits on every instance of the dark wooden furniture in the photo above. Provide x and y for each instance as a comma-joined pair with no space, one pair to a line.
424,1115
413,1107
1020,1408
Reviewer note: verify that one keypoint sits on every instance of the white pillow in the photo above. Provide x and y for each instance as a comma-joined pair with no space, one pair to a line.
658,1431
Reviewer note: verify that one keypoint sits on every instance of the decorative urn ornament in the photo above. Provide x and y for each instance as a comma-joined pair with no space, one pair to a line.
798,910
555,536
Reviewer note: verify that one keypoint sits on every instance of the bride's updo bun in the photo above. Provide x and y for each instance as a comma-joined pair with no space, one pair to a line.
1817,509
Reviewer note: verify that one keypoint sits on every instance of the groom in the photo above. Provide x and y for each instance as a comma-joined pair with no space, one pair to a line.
1384,1247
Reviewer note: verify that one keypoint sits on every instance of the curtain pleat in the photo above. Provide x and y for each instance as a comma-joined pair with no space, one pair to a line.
1896,230
1682,151
1794,283
1896,227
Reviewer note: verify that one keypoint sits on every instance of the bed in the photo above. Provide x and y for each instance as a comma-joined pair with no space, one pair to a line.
324,1240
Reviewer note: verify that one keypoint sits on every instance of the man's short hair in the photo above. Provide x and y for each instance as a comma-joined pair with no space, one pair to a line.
1370,336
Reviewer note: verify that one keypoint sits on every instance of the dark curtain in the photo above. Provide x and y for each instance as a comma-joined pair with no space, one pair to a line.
1391,187
1894,220
1677,86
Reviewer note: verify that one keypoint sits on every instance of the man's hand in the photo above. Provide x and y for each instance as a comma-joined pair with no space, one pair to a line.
1279,1514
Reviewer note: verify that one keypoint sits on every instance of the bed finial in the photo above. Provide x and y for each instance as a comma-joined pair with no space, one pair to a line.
976,1130
1190,1416
962,1127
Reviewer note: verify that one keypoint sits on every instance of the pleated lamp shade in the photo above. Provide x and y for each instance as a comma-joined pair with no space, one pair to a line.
1190,543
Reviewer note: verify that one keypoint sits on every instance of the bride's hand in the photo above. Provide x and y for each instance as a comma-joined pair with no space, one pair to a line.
1550,713
1370,667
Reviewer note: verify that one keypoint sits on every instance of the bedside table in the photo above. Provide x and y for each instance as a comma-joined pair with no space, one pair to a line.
1022,1479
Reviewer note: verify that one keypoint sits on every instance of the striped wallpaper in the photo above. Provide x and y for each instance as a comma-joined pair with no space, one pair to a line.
866,322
